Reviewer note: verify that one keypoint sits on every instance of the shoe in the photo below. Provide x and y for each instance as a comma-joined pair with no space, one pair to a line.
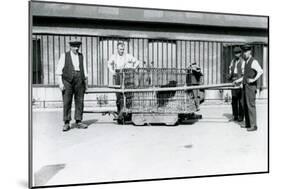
252,128
81,125
66,127
240,120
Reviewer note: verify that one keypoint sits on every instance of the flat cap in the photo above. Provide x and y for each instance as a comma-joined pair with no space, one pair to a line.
75,42
246,47
237,49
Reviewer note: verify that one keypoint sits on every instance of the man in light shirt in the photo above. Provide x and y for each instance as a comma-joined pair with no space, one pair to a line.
119,61
72,79
236,71
252,73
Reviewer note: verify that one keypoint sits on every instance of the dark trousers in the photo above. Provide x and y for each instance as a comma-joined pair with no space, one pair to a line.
119,101
237,104
249,99
74,88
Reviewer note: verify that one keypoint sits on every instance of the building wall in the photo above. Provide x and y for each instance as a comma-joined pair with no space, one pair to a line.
156,42
160,53
153,53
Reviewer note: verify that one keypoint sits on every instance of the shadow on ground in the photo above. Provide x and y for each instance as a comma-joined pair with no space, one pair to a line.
228,116
90,121
42,176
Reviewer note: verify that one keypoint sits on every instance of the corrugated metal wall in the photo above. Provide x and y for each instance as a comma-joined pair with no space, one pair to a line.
160,53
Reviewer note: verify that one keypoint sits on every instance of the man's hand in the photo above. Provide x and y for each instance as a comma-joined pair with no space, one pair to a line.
250,80
228,76
61,86
86,85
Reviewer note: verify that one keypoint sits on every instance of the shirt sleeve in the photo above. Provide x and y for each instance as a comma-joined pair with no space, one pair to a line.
85,68
243,66
256,66
110,64
230,66
60,64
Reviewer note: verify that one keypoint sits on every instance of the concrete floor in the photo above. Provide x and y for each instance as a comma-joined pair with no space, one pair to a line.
109,152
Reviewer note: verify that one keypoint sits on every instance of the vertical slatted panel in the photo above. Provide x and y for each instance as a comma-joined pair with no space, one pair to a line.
179,53
130,46
35,65
138,49
184,55
56,55
145,52
142,53
94,65
159,55
219,63
45,59
156,55
164,53
209,62
42,60
201,55
52,59
106,58
98,60
191,50
102,60
61,44
88,58
213,69
196,52
172,54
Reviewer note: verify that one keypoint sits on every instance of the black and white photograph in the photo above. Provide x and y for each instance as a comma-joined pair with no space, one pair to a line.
125,94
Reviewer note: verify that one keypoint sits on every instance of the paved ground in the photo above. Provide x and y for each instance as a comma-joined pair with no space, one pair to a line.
110,152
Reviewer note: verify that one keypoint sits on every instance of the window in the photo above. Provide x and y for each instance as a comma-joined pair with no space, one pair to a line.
37,73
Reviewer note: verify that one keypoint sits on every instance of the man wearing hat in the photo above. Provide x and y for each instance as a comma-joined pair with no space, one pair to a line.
252,73
236,71
72,80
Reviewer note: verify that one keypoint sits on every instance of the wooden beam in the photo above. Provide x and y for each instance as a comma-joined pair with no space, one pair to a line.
184,88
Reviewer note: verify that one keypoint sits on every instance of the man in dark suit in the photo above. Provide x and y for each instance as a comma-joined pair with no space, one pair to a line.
236,71
72,80
252,73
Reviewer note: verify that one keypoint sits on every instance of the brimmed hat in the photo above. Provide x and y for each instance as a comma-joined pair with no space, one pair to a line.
237,50
246,47
75,43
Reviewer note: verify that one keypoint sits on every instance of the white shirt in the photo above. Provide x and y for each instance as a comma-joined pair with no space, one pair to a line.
75,62
120,62
235,63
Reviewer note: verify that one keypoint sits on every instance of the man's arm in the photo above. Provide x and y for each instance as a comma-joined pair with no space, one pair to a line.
256,66
239,80
85,68
85,73
59,71
230,66
111,64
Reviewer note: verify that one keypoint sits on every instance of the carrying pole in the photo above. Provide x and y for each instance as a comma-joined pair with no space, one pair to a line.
183,88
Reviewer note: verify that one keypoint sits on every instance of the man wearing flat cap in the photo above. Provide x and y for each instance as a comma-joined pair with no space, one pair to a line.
72,79
236,71
252,73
